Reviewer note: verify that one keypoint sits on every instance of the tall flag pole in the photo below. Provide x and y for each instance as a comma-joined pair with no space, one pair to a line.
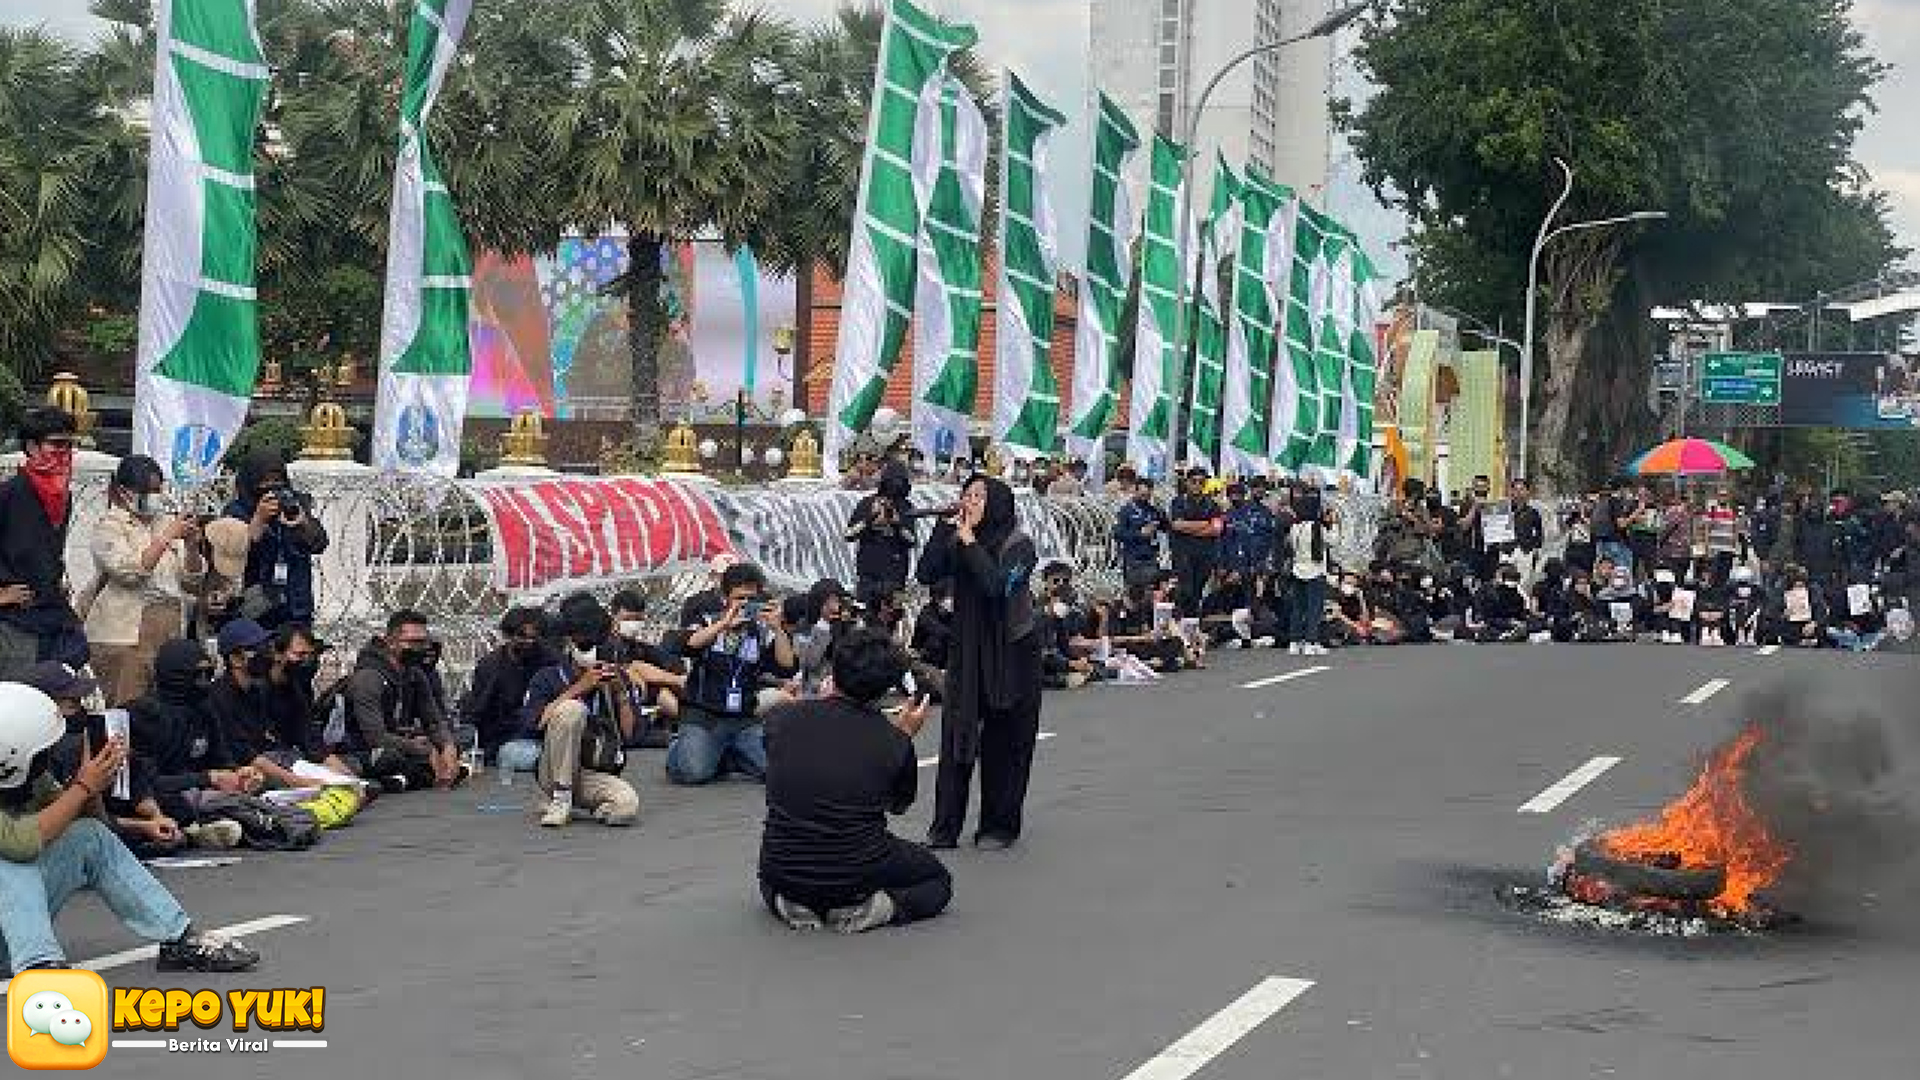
1026,396
199,350
1210,317
1356,415
1103,291
1297,393
425,362
1162,267
883,253
1252,337
951,148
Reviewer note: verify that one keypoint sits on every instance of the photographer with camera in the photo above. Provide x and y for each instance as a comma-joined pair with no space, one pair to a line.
147,563
584,710
729,642
283,537
884,532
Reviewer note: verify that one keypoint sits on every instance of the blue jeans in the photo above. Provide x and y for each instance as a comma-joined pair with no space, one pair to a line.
1309,605
520,755
707,747
87,855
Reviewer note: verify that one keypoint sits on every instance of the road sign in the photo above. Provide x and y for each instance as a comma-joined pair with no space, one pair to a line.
1741,378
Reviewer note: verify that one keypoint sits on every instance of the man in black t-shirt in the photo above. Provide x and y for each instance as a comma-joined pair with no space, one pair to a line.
836,767
728,642
1195,539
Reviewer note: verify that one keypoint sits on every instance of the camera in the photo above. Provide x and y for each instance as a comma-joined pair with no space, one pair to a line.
293,503
751,610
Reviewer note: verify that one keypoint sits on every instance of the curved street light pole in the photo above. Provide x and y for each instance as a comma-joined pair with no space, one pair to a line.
1548,234
1327,27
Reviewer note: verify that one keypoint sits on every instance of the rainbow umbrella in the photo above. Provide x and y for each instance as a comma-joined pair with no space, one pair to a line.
1690,457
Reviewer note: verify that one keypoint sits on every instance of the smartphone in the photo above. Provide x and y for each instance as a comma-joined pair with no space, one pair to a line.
118,725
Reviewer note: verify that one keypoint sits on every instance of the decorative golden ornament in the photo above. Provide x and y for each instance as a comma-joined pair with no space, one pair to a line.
682,456
327,436
803,457
343,374
272,378
525,443
67,394
995,462
783,339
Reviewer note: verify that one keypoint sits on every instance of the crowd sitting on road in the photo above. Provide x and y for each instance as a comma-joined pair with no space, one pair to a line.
177,704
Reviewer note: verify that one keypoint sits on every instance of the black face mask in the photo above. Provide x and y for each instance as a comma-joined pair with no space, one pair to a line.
260,666
304,670
413,657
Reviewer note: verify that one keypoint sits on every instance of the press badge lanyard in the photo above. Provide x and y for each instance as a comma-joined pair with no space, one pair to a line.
734,697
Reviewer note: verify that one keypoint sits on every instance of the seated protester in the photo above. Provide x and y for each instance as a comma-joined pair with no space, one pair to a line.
584,709
1135,626
831,618
397,733
1797,615
886,612
836,767
1446,604
497,692
1588,620
1349,617
136,819
1226,610
1064,664
1406,603
1382,594
1664,619
657,676
283,537
1500,611
271,743
708,597
728,646
52,845
176,738
1746,601
1711,597
291,699
1550,595
1624,602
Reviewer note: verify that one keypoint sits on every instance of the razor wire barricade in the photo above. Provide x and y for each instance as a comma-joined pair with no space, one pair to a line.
461,552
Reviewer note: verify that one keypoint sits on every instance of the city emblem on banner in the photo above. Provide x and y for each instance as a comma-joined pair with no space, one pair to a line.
418,439
196,454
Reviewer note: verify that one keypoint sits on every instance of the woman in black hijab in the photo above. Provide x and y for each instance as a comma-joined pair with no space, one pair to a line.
992,706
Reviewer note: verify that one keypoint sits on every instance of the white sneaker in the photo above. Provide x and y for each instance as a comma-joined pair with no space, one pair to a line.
218,833
1295,648
1266,642
559,811
796,916
1235,644
872,915
1316,650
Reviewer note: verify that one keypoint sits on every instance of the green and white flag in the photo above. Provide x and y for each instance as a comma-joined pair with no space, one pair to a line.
1026,396
199,322
946,366
425,363
1209,317
1298,391
1356,411
1251,335
882,256
1331,310
1162,269
1103,290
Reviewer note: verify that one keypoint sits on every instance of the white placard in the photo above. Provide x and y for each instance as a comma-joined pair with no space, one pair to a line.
1859,599
1622,613
1682,606
1496,527
1799,606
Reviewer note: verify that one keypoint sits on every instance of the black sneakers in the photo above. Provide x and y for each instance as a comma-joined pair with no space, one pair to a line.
206,951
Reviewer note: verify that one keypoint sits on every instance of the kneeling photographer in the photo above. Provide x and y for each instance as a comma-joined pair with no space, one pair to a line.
283,536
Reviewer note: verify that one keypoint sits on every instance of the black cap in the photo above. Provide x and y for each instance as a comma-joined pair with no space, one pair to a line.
58,681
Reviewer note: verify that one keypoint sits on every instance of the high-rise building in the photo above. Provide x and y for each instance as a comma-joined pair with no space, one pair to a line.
1155,57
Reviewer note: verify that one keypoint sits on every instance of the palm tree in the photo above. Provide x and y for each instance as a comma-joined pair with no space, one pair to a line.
681,122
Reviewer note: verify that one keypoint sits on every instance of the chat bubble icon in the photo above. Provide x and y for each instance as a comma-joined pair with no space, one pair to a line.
43,1008
71,1028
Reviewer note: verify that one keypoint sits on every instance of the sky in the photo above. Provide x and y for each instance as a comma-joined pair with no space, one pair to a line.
1046,41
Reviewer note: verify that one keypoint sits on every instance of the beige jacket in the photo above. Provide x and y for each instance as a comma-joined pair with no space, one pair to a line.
124,587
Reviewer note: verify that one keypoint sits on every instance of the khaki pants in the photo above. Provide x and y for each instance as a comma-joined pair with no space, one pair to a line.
607,797
126,671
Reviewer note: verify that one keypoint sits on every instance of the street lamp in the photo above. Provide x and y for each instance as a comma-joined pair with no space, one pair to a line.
1548,234
1334,22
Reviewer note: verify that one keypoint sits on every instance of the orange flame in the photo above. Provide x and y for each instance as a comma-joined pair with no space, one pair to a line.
1712,825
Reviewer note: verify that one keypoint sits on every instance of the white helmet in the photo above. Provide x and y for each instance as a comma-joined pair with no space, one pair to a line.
29,723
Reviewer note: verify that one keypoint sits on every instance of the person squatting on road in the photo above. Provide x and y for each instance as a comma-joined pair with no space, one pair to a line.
991,709
836,767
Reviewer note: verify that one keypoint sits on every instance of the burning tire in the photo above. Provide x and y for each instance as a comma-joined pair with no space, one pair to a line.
1632,877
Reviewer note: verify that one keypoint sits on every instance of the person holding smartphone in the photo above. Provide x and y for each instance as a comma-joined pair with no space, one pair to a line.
584,711
729,642
836,767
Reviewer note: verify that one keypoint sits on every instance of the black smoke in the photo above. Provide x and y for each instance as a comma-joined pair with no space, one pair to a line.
1841,787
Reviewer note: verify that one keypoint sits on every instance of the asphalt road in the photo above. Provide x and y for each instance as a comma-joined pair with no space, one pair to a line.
1348,828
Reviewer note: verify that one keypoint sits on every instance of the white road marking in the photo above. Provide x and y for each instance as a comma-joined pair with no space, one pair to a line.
147,952
1569,785
1284,677
1707,690
929,762
1766,650
1220,1031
